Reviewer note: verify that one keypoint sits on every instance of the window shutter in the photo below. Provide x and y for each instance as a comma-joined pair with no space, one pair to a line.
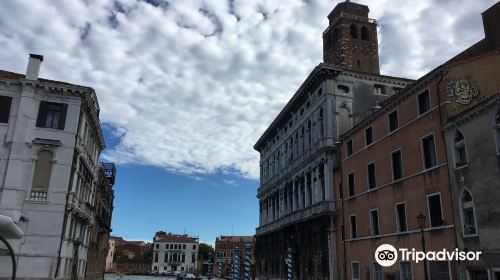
42,114
62,119
5,104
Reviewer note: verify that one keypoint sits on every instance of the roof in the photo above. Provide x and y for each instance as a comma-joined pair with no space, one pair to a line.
320,72
235,239
16,76
176,238
91,98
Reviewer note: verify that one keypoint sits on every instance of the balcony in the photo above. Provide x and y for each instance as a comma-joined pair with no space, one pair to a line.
323,207
38,196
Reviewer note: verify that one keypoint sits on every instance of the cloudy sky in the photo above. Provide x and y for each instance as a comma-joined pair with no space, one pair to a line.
187,87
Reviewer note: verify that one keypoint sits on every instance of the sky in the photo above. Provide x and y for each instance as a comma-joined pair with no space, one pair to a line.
187,87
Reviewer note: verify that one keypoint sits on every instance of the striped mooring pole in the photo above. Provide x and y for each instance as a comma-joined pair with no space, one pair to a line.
237,263
289,262
219,267
248,260
209,272
233,275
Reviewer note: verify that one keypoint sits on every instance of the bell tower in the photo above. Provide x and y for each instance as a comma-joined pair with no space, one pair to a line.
350,41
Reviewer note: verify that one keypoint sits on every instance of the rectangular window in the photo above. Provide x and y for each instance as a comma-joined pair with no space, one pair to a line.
372,182
377,272
5,104
435,212
374,222
194,247
157,246
406,271
379,89
397,165
52,115
401,217
354,226
349,148
393,121
156,257
350,180
424,102
429,151
355,270
439,270
369,136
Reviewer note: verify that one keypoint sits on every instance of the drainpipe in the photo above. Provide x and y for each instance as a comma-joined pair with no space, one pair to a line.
441,74
341,193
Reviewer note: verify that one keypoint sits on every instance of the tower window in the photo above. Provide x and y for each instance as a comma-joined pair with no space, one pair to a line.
365,34
354,31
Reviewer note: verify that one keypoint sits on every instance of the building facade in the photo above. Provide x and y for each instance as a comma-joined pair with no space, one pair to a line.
225,247
394,167
174,253
471,90
99,235
298,151
51,141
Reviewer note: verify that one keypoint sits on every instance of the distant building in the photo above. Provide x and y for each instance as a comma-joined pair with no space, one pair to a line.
225,248
471,90
99,236
110,254
175,253
128,257
298,151
50,141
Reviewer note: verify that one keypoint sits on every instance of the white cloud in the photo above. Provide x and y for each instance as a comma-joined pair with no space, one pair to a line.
191,85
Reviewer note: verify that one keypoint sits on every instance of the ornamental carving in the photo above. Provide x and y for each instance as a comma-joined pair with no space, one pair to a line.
461,92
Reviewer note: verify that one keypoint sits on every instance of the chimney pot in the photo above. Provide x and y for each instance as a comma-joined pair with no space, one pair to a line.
34,63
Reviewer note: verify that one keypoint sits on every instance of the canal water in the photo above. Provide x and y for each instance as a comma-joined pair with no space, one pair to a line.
136,277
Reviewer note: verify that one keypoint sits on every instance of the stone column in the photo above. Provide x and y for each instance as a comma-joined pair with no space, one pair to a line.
308,194
328,174
299,186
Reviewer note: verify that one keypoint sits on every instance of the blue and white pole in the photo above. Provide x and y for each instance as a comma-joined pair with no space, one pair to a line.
289,262
219,267
237,263
248,260
209,272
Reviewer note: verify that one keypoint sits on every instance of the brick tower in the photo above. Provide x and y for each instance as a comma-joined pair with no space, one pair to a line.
350,41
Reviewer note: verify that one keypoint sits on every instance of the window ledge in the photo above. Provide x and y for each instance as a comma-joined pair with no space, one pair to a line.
461,166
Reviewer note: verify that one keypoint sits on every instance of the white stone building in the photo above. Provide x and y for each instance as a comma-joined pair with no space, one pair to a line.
174,253
51,140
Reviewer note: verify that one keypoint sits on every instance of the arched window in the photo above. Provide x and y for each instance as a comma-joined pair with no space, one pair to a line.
459,152
365,34
496,131
354,31
43,169
468,215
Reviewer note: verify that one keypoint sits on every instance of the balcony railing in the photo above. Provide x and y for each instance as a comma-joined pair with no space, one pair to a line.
38,196
299,215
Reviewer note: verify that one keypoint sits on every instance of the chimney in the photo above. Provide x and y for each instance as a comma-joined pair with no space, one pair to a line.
34,66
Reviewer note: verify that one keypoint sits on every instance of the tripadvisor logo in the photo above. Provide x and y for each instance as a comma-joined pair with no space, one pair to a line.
387,255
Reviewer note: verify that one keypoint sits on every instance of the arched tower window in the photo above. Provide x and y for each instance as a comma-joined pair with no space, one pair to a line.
459,151
496,131
43,169
354,31
365,35
468,215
